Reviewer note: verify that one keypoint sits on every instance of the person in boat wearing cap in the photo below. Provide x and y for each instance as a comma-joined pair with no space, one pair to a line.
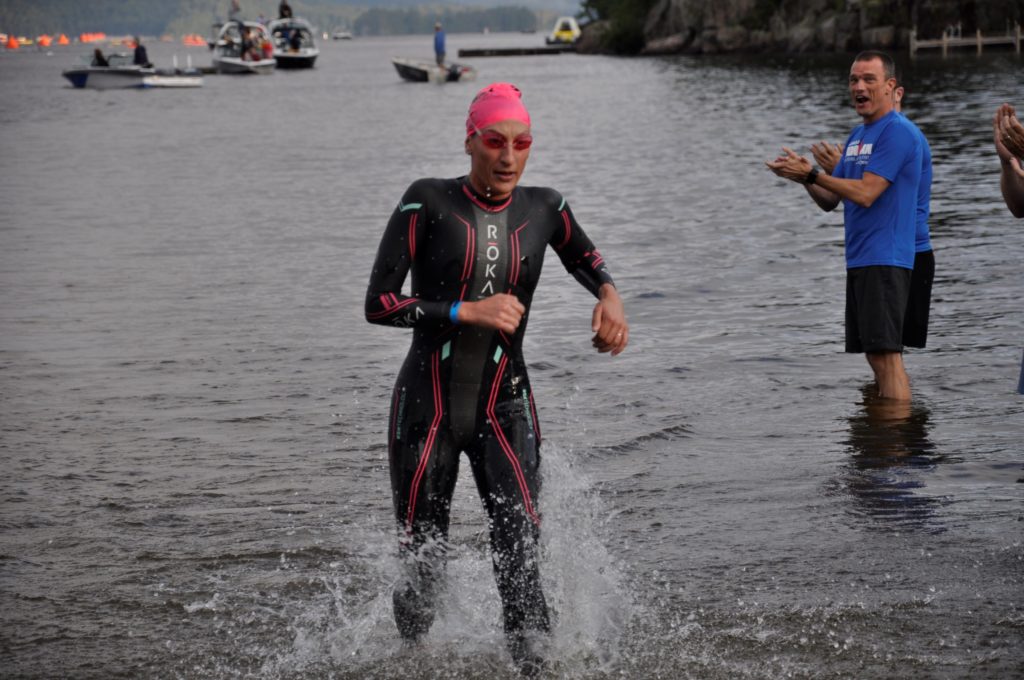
475,245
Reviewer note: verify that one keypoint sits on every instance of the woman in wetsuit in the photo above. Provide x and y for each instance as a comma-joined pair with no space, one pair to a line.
475,246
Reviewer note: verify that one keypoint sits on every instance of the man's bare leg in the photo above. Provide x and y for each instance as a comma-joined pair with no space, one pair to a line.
893,382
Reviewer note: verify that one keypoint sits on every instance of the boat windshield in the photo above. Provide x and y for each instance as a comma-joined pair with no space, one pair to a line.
230,41
116,59
119,59
293,37
231,32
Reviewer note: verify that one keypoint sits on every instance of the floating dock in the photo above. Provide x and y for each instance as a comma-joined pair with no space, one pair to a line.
946,42
515,51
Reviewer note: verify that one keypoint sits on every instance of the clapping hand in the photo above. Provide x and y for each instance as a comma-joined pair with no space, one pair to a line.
1008,135
790,165
827,155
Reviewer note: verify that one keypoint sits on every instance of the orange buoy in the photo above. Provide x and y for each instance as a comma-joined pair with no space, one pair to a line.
44,40
12,43
63,40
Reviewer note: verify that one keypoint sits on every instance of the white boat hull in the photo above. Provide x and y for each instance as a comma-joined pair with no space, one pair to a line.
172,80
101,78
238,66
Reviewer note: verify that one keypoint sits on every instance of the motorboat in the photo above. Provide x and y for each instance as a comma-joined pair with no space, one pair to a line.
341,35
119,73
123,74
243,47
417,71
294,45
566,32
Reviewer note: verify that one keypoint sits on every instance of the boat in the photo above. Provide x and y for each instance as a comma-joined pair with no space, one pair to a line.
227,49
566,32
417,71
123,74
341,35
294,45
120,73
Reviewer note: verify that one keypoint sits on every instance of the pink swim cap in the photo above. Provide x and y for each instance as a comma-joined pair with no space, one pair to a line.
493,104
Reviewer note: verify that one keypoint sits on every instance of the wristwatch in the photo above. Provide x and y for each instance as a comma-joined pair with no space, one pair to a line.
812,176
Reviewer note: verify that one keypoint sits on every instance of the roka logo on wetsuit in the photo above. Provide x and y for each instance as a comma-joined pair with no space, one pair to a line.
408,320
492,254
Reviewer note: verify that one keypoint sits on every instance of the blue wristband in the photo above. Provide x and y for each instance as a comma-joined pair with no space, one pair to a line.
453,313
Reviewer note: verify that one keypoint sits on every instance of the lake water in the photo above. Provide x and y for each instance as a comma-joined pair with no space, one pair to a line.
193,410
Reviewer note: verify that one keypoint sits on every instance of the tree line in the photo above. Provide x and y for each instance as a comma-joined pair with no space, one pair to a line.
157,17
415,20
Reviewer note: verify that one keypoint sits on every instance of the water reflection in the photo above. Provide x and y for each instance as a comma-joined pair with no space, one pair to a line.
891,455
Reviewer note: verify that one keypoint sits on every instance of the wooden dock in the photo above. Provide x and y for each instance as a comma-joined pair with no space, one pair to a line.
947,42
515,51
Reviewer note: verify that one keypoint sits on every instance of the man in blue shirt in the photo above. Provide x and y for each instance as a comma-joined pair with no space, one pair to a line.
439,44
877,181
915,323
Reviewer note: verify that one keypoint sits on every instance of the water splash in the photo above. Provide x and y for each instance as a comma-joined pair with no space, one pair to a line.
346,628
585,584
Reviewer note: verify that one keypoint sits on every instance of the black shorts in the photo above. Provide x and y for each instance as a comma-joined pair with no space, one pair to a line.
915,321
876,302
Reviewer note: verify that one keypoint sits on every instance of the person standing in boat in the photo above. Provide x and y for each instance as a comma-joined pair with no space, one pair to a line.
235,12
295,40
284,10
140,57
439,44
474,246
248,46
235,15
98,59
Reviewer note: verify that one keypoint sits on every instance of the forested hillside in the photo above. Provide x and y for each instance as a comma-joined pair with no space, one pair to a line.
710,26
371,17
397,22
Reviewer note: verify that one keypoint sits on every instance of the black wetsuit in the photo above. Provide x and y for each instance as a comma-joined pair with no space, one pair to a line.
465,388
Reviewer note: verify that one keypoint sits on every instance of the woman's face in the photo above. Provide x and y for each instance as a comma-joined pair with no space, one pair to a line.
499,153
